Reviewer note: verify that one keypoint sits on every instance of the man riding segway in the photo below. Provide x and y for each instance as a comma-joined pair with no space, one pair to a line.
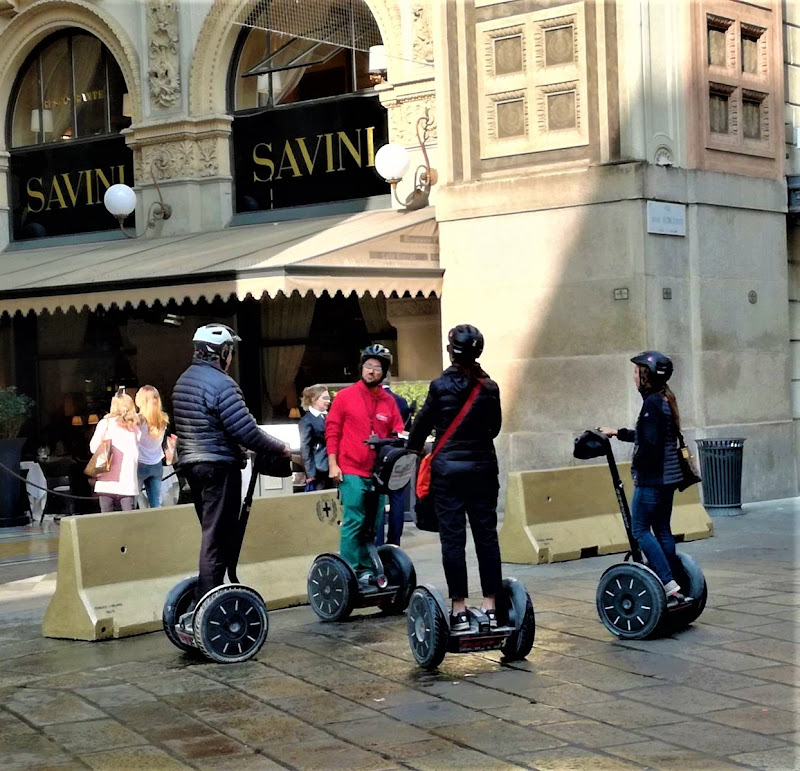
213,425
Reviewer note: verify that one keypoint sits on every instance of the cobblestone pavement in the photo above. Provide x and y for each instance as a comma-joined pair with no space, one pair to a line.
720,695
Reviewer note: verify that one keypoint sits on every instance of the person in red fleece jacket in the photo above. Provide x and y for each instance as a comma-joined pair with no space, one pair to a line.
359,412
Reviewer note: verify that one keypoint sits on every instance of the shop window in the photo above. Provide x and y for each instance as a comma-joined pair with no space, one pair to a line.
285,58
70,88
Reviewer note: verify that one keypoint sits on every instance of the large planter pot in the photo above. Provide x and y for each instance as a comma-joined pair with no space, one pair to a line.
10,487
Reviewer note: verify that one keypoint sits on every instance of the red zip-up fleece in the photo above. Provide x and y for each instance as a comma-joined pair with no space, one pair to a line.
356,413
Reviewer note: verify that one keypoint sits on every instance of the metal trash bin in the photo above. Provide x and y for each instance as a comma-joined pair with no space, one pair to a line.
721,471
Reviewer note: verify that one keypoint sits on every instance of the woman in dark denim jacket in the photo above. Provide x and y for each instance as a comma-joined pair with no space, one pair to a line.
655,467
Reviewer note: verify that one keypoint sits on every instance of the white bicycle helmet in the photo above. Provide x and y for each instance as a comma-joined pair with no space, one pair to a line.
214,337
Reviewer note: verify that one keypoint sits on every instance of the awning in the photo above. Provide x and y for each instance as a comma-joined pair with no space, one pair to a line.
379,251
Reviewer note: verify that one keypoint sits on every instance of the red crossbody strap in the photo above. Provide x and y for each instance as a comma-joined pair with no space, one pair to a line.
455,424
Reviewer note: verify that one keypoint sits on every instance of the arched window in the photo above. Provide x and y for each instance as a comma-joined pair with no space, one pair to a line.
288,53
70,88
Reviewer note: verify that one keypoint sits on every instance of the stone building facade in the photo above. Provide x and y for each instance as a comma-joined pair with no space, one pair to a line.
611,178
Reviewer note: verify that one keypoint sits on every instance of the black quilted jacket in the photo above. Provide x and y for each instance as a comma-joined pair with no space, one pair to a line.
471,447
212,420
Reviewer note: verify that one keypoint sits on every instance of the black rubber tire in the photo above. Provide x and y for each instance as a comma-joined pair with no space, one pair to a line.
693,584
399,570
231,624
630,601
332,588
176,604
428,630
516,608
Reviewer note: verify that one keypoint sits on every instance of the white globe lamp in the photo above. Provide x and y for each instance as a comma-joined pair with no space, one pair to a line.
120,200
391,162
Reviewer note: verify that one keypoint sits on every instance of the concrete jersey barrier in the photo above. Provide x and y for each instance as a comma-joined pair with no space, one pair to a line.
115,569
567,513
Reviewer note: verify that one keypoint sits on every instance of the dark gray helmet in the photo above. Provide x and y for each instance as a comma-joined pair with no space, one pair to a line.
465,342
658,364
379,352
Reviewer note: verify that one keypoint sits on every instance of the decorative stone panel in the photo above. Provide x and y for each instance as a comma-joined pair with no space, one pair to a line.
532,81
164,65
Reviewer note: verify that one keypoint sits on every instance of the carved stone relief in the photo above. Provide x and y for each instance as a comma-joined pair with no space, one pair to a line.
403,117
164,69
423,36
186,158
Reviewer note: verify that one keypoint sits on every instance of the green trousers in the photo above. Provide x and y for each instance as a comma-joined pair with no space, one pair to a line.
360,506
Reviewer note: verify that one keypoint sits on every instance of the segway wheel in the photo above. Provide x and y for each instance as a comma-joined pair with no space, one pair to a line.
516,609
428,630
630,601
693,584
177,603
230,624
400,571
332,588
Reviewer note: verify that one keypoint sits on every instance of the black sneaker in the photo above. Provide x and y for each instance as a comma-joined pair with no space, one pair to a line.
492,616
459,622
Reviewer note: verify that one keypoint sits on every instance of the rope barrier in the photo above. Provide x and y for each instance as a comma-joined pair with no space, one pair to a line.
55,492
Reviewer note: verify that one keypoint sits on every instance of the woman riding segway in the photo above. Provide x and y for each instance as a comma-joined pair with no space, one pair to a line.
464,483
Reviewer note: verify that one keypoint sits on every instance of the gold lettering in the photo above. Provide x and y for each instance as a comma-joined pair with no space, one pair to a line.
35,194
301,141
121,177
73,194
101,178
89,200
261,160
55,192
370,146
350,148
329,151
288,155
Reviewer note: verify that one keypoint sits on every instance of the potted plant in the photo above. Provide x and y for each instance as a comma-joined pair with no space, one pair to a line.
15,409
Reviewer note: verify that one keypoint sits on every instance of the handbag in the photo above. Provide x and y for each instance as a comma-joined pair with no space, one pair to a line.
100,462
170,447
689,473
423,508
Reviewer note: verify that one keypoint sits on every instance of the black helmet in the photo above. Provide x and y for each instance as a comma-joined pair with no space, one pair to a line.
379,352
658,364
465,342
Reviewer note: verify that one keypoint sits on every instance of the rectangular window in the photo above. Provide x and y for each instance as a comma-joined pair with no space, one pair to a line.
751,114
716,46
90,85
750,42
718,112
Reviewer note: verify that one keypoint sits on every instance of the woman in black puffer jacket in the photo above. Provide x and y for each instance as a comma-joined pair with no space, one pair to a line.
655,467
464,472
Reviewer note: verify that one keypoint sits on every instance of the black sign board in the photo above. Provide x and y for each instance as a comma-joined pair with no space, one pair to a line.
309,153
58,189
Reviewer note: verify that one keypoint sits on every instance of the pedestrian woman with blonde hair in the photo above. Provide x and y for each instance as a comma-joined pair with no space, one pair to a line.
118,487
315,401
151,451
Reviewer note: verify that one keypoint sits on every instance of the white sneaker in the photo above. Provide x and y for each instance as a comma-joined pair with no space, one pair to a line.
672,588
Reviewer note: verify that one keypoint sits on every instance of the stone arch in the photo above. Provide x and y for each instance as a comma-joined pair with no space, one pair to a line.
39,21
215,43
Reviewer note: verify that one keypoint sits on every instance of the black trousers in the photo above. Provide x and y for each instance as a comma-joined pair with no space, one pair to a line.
455,498
217,495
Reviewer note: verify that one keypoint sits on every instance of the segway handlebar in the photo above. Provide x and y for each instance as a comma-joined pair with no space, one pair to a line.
391,441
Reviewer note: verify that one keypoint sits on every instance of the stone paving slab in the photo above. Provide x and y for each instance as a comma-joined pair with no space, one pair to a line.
720,695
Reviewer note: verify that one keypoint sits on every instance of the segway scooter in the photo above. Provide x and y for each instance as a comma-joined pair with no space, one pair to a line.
229,623
631,601
333,587
430,636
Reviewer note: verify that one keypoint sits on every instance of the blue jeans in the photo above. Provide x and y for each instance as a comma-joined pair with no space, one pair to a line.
650,515
150,476
397,510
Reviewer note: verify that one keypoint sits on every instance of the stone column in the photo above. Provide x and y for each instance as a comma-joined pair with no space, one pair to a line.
419,337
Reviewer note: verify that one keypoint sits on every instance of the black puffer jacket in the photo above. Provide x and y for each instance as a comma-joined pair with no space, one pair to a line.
655,453
470,449
212,420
